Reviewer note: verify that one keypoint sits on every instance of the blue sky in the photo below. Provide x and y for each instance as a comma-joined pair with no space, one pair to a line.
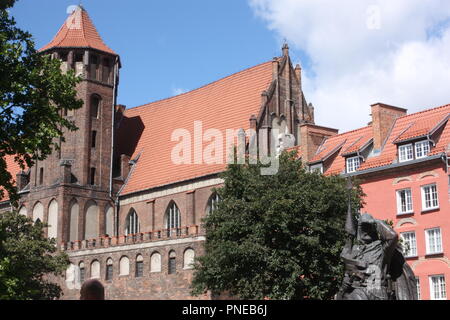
165,46
353,54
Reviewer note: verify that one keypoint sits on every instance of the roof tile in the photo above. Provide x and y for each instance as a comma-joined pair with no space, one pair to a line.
78,31
147,130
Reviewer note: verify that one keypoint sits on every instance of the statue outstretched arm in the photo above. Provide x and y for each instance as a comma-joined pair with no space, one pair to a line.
387,235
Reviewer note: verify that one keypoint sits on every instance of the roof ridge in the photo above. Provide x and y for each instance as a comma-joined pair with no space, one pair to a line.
201,87
351,131
425,111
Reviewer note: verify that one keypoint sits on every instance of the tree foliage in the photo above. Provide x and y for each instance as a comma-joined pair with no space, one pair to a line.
27,258
277,237
34,93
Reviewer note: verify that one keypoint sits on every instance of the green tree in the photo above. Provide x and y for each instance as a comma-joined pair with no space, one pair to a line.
33,96
28,260
278,236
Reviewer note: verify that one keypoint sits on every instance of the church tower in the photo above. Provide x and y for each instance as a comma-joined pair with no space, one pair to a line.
71,190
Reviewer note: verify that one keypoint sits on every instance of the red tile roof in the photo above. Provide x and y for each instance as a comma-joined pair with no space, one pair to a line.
146,131
405,128
343,143
408,127
78,31
13,168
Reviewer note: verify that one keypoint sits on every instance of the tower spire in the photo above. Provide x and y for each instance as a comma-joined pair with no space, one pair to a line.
78,31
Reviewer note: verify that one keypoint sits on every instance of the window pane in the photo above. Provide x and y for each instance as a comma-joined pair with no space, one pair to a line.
405,153
139,269
438,290
434,241
430,197
404,198
409,244
172,265
353,164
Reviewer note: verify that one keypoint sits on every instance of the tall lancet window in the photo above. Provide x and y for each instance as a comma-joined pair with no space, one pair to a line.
132,223
173,219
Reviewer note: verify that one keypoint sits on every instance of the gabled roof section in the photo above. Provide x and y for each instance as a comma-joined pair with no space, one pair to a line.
78,31
344,143
228,103
423,127
409,127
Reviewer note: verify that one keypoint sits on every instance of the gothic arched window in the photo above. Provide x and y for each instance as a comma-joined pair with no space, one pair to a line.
109,269
139,272
173,218
132,223
52,220
95,106
172,268
213,202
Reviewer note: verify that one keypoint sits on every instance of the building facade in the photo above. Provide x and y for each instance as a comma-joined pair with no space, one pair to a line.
402,163
126,194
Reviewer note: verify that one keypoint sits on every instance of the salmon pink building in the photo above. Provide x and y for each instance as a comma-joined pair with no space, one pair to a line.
402,162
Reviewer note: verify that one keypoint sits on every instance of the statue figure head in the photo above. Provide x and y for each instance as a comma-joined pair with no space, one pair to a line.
367,231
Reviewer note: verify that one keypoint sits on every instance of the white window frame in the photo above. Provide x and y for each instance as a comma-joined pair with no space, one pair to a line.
132,223
404,151
422,148
441,283
353,164
437,242
434,201
409,204
316,167
213,202
412,241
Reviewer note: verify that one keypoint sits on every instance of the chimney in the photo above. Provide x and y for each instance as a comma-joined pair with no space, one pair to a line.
21,180
311,138
383,118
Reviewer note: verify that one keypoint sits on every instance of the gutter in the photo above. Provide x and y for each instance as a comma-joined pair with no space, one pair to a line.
393,166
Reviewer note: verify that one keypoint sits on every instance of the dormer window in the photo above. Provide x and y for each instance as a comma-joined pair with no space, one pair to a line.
353,164
405,153
411,151
422,149
316,168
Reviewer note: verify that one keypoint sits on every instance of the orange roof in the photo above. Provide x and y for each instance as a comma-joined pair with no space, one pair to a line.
405,128
146,131
344,143
408,127
78,31
422,126
13,168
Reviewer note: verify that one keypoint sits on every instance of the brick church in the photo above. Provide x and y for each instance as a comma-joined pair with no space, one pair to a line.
113,197
129,215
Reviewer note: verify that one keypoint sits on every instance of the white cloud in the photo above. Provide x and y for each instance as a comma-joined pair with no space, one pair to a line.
366,51
177,91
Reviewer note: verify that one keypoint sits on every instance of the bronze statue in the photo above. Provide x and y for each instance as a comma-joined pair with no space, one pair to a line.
375,268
